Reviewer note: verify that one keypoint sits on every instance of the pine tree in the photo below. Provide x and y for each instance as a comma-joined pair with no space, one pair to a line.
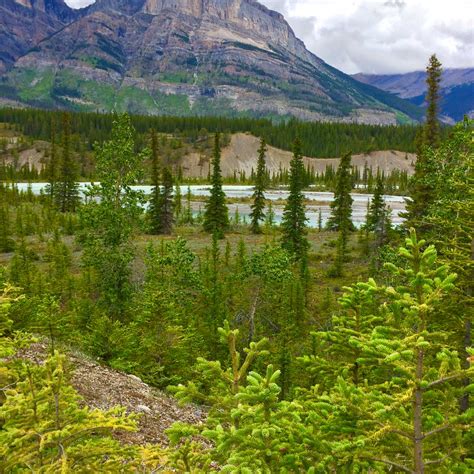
188,212
258,205
67,187
155,199
250,428
52,167
270,217
433,80
377,206
378,216
178,202
294,216
46,428
333,357
336,270
421,184
216,216
451,228
166,204
395,393
341,207
6,242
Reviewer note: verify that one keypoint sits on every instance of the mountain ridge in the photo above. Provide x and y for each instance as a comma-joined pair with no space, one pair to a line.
457,89
186,57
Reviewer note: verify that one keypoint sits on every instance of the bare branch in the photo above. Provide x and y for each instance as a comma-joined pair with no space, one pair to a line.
393,464
437,430
443,380
437,461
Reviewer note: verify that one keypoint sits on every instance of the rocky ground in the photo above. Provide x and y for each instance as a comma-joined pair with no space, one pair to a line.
241,156
102,387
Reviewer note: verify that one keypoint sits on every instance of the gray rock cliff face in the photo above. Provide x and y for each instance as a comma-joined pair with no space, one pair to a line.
212,56
24,23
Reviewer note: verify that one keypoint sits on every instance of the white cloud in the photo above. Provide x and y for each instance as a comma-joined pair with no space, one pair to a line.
79,3
384,36
380,36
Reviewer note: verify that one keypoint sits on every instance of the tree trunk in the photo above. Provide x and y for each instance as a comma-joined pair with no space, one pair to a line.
417,417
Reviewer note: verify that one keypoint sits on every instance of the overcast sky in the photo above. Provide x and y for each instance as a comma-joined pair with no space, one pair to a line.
380,36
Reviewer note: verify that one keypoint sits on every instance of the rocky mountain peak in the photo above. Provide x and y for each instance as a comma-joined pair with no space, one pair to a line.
24,23
178,57
57,8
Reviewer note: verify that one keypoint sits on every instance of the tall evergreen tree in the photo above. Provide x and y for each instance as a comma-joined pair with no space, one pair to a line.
258,206
394,375
67,187
6,242
378,217
294,216
421,184
433,79
52,167
341,207
166,204
216,216
451,219
178,200
155,199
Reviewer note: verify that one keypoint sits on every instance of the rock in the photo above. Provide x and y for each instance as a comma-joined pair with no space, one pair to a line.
179,57
134,377
24,23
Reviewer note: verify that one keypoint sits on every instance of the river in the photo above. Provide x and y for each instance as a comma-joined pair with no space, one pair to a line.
316,200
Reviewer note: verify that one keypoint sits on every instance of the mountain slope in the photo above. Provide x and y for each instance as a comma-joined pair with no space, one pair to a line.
239,156
457,89
24,23
192,57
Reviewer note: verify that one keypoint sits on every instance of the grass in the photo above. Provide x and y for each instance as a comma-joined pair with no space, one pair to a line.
34,85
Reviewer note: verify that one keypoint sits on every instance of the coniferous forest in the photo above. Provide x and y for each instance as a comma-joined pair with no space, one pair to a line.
332,349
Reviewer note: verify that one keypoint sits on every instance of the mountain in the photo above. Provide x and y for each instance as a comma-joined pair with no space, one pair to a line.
185,57
24,23
457,89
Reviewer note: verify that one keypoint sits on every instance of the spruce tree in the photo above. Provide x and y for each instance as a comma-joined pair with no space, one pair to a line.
294,216
188,212
166,204
421,184
52,167
433,80
46,427
341,207
378,217
216,216
155,199
67,187
178,202
451,219
396,377
258,205
6,242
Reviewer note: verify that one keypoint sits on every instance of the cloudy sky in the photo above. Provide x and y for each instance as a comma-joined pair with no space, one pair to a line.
380,36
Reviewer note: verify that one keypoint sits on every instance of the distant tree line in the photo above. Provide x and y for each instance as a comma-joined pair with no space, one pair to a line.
318,139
